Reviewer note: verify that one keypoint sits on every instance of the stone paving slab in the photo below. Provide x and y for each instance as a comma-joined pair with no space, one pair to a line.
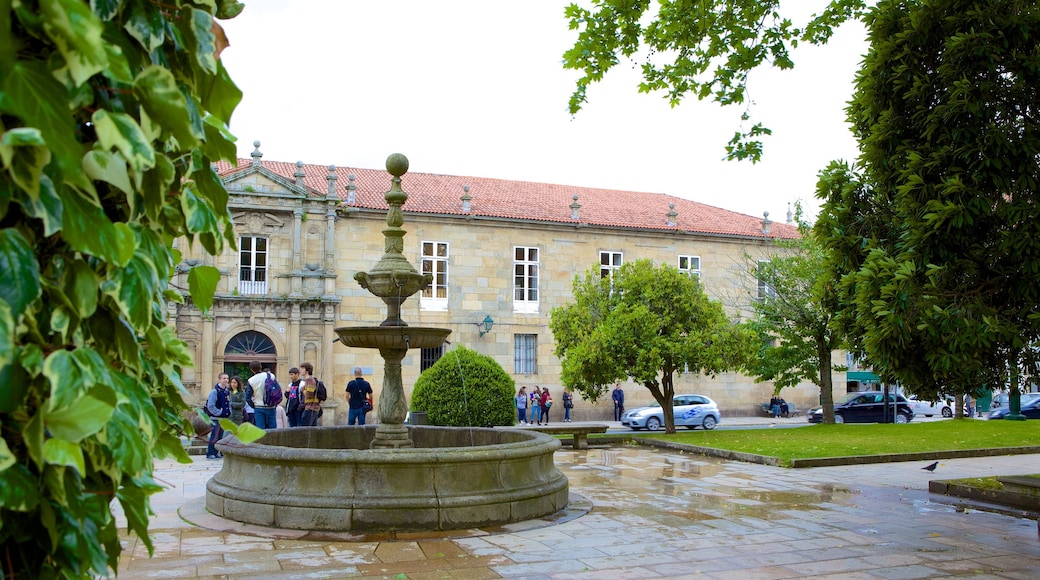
648,513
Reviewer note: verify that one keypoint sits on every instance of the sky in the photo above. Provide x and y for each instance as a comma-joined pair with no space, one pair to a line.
477,88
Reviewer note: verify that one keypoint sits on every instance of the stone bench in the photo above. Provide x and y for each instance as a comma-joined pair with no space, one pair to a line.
580,432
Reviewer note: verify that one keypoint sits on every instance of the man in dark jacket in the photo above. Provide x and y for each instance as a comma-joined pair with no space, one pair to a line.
357,391
218,406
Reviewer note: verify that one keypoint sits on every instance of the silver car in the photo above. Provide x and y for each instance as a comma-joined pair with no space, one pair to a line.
690,411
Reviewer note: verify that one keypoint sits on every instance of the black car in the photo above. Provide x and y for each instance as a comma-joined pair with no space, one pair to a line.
1030,408
867,407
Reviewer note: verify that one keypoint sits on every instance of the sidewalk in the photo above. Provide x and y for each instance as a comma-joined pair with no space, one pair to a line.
653,514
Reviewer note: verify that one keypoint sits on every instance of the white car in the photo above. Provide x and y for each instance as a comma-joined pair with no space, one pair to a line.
930,408
690,411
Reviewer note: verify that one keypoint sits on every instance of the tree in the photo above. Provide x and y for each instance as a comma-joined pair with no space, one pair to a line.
111,114
646,323
465,389
934,237
796,319
703,48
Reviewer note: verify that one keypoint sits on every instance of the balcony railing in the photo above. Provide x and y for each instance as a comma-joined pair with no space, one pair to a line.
247,288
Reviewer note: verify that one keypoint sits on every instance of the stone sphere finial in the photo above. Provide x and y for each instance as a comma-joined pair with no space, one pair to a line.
256,143
397,164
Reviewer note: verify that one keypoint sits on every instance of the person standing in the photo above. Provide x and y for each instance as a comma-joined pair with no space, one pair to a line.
311,405
546,405
357,392
618,396
238,400
536,405
568,404
306,372
293,408
264,412
218,405
521,406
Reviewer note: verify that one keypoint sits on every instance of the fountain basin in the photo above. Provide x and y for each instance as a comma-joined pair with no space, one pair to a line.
399,337
311,478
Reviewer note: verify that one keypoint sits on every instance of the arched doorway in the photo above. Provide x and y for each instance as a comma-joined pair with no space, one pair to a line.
248,346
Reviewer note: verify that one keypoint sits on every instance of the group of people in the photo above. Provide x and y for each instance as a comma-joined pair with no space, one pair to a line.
539,401
252,401
778,407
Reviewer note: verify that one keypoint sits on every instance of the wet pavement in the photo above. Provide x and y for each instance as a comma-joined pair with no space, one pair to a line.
638,512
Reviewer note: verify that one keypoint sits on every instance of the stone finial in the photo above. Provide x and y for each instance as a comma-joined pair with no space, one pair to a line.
465,199
331,177
790,215
672,214
299,174
256,154
767,224
575,206
351,189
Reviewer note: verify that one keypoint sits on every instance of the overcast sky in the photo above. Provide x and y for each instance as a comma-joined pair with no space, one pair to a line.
477,88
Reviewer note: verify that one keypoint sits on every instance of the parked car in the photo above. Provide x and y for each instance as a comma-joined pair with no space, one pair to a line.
866,407
931,408
690,411
1030,407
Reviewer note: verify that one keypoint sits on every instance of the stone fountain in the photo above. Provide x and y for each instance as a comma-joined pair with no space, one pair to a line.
392,476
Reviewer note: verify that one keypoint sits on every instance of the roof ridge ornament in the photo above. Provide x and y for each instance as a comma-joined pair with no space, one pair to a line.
256,154
672,214
351,189
331,177
466,198
575,206
767,224
299,174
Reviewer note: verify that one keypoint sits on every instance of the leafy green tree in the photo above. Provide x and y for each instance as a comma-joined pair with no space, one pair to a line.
111,113
699,48
796,318
935,235
465,389
646,323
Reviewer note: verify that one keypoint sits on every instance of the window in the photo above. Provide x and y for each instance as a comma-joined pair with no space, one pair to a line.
525,279
252,271
524,354
690,265
435,263
429,356
608,262
764,271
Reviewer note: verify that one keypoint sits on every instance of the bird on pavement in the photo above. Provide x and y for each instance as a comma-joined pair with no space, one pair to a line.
931,467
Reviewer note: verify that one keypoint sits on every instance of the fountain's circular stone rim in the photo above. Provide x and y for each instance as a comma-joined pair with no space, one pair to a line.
326,479
384,337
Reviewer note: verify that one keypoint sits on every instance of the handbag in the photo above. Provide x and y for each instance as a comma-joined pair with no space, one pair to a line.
367,406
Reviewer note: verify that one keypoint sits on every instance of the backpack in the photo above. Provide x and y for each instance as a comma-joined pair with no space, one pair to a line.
272,391
321,393
294,398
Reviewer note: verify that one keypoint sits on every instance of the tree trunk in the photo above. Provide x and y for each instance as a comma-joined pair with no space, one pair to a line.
823,353
666,405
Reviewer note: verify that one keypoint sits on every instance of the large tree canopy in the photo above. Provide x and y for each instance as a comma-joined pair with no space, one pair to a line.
703,48
644,323
111,114
935,236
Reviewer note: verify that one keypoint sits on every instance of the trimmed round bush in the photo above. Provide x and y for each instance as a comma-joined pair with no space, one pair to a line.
478,396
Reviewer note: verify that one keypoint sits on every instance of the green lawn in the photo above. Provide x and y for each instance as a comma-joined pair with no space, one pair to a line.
816,441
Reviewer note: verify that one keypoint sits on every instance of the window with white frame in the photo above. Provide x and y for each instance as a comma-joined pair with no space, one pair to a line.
764,272
608,263
435,263
525,279
525,347
690,265
252,265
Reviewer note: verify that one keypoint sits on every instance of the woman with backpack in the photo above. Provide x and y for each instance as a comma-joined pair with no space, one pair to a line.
546,405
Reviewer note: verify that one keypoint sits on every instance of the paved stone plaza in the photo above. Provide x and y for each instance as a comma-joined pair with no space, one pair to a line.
654,514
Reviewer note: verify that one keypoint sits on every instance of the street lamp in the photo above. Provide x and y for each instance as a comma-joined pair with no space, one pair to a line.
487,323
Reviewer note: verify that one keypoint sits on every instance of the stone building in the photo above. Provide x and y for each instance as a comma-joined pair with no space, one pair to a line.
502,254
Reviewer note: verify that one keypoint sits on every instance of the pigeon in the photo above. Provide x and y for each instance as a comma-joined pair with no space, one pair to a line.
931,467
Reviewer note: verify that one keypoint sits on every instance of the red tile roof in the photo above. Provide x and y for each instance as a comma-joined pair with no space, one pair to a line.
522,200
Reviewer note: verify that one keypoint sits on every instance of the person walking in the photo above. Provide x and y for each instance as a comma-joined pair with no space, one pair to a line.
536,405
618,396
293,408
546,405
266,416
238,400
218,405
311,405
357,392
568,404
521,406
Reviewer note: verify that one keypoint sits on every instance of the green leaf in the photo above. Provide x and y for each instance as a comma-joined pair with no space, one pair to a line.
200,24
81,286
68,381
123,432
155,185
84,418
18,490
46,207
88,230
135,290
246,432
198,215
202,283
133,498
25,154
145,22
77,33
120,131
162,99
21,273
108,167
7,458
67,453
219,95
